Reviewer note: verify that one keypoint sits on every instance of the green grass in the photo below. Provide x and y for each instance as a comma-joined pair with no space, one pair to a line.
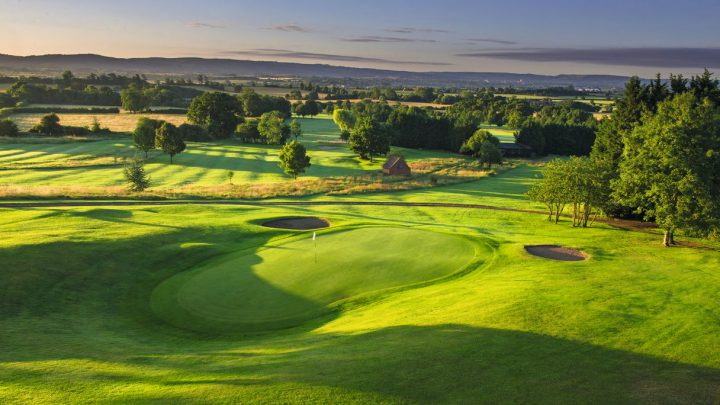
286,284
99,164
502,133
635,323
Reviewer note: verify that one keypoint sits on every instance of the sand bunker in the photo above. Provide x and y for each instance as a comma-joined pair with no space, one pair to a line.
297,223
556,252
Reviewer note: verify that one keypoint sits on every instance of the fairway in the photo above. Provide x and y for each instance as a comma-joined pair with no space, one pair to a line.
284,285
100,163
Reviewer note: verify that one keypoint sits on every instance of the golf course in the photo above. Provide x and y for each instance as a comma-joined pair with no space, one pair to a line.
204,303
406,202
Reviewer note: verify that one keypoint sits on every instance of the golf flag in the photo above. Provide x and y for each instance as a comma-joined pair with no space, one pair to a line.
313,235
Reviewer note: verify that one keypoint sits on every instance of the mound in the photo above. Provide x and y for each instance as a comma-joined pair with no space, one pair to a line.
283,286
298,223
556,252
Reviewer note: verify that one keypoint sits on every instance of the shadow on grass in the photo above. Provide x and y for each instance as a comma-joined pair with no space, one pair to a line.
462,364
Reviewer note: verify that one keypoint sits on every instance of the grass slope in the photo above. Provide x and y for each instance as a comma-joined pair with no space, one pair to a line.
636,323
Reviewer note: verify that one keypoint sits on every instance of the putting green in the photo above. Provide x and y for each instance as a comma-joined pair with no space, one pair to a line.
285,285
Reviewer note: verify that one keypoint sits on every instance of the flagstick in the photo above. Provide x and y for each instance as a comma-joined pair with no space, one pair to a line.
315,242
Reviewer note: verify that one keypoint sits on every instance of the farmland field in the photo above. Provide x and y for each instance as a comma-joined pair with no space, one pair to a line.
116,122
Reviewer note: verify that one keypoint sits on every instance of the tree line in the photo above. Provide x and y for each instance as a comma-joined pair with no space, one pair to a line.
657,157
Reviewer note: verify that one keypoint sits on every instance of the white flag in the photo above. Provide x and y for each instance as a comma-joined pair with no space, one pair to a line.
313,235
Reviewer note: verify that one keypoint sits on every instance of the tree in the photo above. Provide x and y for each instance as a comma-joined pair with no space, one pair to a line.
704,86
295,129
67,78
134,100
136,176
344,119
48,125
168,138
671,167
8,128
579,181
218,113
271,126
483,146
144,134
294,159
551,190
311,108
369,138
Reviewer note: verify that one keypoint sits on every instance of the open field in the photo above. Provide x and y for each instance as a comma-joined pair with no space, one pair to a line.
635,323
95,168
116,122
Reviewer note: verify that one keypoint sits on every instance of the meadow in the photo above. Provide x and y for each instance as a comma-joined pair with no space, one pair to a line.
124,122
155,303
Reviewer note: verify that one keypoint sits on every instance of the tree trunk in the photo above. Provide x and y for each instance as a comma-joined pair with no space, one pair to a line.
171,156
668,239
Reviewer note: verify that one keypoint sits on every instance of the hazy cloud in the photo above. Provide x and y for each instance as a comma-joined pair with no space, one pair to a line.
374,38
412,30
289,28
200,24
492,41
641,57
282,53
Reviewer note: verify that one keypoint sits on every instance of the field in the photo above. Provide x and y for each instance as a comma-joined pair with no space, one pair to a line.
95,168
115,122
88,305
502,133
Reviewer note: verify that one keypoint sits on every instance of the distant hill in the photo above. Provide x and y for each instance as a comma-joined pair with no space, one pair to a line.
87,63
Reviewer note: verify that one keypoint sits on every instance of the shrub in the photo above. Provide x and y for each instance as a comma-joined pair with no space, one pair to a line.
8,128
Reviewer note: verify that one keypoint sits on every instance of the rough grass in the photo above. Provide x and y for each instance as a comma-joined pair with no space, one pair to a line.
636,323
123,122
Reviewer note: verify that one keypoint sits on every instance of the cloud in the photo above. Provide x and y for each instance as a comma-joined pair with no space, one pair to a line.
492,41
282,53
289,28
375,38
200,24
642,57
412,30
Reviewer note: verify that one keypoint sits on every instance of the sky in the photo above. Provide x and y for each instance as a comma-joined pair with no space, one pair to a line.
521,36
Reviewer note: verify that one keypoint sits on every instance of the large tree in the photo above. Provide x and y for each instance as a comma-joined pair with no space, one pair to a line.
294,159
671,167
272,127
134,99
144,134
169,139
483,146
369,138
345,119
218,113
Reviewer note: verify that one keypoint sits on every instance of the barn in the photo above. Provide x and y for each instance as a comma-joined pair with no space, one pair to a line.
396,166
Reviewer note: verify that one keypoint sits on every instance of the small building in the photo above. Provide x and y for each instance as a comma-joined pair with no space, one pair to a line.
514,149
396,166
